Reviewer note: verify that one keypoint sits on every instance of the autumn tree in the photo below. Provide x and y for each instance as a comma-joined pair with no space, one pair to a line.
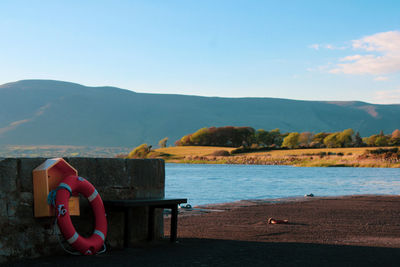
200,137
276,137
220,136
378,140
264,138
370,141
318,139
396,134
358,142
291,141
305,139
140,151
344,139
331,140
184,141
163,142
245,136
395,138
382,140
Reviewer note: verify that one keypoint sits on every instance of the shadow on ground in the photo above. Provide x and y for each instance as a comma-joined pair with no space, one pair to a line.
209,252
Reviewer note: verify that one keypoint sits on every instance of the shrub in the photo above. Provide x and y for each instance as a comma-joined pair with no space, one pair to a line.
227,136
221,153
139,152
243,149
383,151
121,156
163,142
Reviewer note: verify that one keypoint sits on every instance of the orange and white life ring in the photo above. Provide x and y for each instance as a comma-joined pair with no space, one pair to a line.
72,185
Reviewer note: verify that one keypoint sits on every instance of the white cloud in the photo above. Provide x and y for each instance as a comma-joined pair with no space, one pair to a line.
334,47
384,41
381,78
315,46
388,97
383,55
326,46
351,58
322,68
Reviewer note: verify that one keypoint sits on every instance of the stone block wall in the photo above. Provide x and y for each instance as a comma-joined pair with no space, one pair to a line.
23,236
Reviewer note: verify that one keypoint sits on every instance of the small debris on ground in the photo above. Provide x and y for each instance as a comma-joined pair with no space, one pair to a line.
185,206
275,221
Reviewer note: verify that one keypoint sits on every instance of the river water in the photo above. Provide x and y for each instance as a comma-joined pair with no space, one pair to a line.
209,184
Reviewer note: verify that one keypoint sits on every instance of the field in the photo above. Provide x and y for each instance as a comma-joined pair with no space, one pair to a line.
298,152
323,157
191,151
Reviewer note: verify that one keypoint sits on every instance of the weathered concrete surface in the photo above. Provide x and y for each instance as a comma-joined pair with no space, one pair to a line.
8,168
23,236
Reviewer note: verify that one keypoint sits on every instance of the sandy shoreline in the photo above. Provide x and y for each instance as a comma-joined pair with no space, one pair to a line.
365,220
218,207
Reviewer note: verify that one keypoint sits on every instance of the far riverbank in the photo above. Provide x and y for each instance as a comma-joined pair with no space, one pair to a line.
323,157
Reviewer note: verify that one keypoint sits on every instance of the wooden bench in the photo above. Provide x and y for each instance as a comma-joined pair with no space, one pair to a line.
163,203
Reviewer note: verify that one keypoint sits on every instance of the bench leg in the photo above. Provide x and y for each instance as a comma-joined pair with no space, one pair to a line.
150,235
128,225
174,223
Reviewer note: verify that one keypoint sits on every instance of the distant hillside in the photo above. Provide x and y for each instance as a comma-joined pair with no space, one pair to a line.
62,113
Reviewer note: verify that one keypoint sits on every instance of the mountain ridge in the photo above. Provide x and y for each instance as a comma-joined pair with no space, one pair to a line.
33,112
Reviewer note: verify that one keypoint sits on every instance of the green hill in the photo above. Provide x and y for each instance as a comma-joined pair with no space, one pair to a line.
63,113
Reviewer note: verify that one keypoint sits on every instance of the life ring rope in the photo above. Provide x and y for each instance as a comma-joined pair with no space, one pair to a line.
51,197
59,199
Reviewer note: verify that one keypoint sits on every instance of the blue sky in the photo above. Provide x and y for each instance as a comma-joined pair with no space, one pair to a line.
312,50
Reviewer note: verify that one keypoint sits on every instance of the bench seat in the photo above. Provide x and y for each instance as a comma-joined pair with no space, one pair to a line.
163,203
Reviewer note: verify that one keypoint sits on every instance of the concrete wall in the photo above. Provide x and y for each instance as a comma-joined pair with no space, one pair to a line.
23,236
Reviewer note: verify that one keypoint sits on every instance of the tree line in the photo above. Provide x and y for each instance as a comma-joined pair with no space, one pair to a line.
248,137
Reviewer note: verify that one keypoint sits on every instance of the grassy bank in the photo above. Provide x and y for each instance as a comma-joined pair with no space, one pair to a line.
324,157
